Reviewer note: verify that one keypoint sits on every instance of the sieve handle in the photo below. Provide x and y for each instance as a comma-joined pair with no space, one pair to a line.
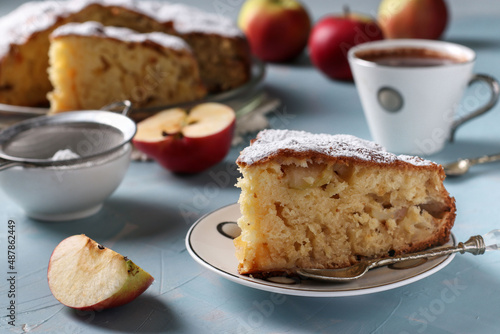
125,105
6,164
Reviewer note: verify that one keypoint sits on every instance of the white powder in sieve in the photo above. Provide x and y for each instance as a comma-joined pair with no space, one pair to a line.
65,154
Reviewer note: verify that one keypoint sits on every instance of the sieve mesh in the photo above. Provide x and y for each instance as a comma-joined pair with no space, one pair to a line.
84,139
86,133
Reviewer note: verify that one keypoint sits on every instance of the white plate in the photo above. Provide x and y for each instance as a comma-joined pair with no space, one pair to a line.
211,248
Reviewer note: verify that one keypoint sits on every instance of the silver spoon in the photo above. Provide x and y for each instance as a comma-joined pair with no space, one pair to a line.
476,245
462,166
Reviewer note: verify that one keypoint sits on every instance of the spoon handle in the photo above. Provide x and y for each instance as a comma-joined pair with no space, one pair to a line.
484,159
475,245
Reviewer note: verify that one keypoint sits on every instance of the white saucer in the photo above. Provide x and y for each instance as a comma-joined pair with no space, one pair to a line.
209,243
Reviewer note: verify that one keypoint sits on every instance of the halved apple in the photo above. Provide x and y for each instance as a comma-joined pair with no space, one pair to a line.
84,275
187,142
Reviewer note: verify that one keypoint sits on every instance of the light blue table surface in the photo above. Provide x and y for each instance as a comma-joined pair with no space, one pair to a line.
148,216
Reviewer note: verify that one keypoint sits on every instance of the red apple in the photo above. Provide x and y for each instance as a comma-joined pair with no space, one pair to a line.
87,276
333,36
277,30
425,19
187,142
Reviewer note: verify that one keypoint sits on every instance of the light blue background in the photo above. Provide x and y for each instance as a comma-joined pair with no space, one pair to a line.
148,216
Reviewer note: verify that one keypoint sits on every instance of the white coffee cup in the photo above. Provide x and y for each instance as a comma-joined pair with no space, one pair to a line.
410,105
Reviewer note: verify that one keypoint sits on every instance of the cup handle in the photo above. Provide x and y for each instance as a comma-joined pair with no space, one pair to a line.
495,93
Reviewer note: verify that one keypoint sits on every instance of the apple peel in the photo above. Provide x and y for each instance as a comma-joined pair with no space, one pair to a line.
85,275
333,36
422,19
187,141
277,30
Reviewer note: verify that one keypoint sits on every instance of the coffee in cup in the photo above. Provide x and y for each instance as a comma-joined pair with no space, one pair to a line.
409,57
410,91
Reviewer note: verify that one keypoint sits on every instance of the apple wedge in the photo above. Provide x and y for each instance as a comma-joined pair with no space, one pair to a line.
84,275
187,142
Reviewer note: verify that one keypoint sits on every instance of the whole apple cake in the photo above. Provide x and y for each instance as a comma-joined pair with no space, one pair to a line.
92,65
328,201
220,48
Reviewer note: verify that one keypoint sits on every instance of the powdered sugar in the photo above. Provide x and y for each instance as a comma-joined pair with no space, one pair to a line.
97,29
188,19
270,142
65,154
36,16
27,19
185,18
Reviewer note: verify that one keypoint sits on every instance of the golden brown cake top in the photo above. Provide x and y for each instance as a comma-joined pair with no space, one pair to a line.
31,17
96,29
271,144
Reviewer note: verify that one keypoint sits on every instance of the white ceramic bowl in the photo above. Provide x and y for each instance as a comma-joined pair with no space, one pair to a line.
66,192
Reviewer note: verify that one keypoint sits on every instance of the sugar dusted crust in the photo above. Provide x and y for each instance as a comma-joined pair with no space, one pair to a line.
95,29
322,201
37,16
271,144
219,47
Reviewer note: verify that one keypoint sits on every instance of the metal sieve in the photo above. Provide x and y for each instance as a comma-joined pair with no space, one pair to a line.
87,134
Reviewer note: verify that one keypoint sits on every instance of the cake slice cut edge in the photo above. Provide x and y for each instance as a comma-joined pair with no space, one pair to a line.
92,65
324,201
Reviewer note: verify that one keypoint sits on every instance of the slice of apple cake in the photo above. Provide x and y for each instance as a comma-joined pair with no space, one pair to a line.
92,65
328,201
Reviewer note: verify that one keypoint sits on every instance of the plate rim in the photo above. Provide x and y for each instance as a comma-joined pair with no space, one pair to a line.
289,290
